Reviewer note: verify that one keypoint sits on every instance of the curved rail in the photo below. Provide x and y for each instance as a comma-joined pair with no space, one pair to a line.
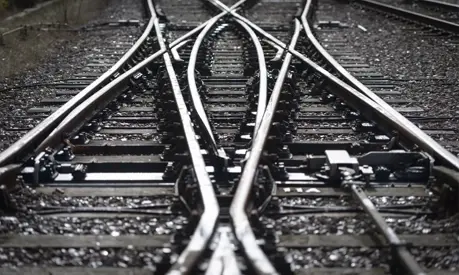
19,149
419,17
356,100
238,214
239,219
207,223
405,126
238,207
195,98
263,86
36,137
384,112
79,115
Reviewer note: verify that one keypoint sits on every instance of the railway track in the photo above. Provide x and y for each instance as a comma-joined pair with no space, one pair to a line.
437,14
227,142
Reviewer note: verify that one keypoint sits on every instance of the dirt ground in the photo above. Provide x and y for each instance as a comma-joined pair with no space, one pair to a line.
25,49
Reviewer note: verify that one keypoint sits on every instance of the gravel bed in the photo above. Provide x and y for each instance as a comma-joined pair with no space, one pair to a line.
120,124
318,202
226,137
335,258
349,201
324,124
40,200
446,258
64,60
444,14
319,225
273,12
8,137
150,136
385,201
359,224
90,257
196,11
135,114
26,224
318,114
137,104
430,80
20,123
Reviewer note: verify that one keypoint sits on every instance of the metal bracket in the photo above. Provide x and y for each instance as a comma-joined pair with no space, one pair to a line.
338,165
340,158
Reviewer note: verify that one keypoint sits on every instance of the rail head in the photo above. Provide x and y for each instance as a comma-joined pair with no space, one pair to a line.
419,17
263,85
25,145
195,97
440,4
207,224
238,209
402,124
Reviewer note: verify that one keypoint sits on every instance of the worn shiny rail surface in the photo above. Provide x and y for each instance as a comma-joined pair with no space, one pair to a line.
229,140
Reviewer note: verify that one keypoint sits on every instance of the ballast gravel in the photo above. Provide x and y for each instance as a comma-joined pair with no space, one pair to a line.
66,59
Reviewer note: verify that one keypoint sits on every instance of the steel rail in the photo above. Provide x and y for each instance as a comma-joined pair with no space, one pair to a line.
371,109
263,85
207,223
195,97
78,116
419,17
223,7
440,4
422,139
36,136
399,248
385,112
75,119
241,224
33,137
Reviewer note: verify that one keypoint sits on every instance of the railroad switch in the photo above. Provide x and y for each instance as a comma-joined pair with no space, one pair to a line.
337,162
338,166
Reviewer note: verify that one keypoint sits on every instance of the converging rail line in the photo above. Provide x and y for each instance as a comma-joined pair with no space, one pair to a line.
225,143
